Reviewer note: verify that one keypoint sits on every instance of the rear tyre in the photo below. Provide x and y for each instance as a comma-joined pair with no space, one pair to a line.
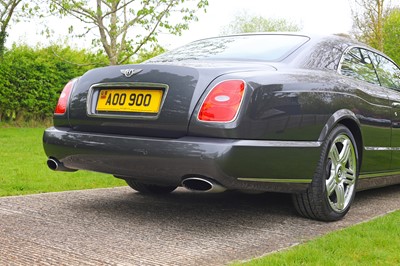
149,188
332,189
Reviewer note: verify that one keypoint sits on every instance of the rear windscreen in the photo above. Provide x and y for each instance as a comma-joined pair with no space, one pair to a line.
249,47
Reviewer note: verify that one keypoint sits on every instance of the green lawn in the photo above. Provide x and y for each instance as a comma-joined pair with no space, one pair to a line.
373,243
23,168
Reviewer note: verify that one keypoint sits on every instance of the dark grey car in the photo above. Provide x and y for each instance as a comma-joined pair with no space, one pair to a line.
315,116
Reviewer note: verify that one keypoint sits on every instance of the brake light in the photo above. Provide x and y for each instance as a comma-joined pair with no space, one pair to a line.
62,104
223,102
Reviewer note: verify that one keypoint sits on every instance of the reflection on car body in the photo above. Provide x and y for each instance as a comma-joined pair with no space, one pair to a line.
315,116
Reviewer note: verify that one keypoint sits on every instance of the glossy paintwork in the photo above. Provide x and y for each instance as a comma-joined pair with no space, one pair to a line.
173,119
167,161
186,86
298,100
299,107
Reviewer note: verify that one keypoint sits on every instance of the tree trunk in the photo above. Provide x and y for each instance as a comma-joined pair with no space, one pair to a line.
379,25
3,36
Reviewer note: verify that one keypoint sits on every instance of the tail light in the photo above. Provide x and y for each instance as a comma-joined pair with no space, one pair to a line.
223,102
62,104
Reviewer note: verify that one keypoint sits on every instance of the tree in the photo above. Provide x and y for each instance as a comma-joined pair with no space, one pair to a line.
368,21
244,23
125,26
378,25
391,34
7,9
145,54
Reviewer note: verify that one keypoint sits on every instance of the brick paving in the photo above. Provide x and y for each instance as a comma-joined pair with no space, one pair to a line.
120,227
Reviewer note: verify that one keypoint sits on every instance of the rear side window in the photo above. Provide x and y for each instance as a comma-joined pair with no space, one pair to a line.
357,64
246,47
388,72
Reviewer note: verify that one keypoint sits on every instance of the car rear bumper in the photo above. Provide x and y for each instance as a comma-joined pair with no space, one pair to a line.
282,166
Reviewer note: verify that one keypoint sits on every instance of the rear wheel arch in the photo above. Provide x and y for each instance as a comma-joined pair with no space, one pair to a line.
332,191
348,119
356,131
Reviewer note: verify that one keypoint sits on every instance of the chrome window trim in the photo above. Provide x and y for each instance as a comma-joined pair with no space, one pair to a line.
342,59
382,148
339,68
368,50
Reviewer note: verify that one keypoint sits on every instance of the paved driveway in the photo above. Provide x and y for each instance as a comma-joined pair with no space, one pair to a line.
121,227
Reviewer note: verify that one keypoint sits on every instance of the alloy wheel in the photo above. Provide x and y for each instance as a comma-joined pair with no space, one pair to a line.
341,173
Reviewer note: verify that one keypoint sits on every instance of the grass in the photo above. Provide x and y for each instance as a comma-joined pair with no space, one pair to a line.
373,243
24,170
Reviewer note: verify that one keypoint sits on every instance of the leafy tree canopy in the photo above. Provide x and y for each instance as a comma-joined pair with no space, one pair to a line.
14,10
7,9
368,19
391,35
123,27
377,24
145,54
245,23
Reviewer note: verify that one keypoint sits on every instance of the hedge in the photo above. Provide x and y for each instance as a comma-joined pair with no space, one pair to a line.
31,79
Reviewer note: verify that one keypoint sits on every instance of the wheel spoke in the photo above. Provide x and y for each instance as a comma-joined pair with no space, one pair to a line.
350,177
346,152
331,185
340,196
334,156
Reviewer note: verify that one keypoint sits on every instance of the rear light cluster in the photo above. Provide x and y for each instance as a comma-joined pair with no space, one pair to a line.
62,104
223,102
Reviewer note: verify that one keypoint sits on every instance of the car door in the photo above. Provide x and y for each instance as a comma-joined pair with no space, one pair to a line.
389,77
375,112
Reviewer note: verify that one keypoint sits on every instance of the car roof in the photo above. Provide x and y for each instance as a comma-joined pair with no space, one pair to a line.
320,51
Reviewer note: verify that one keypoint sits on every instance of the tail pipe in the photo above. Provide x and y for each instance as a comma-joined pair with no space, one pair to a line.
56,165
201,184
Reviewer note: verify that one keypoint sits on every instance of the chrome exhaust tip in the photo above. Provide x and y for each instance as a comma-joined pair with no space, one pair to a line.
200,184
56,165
53,164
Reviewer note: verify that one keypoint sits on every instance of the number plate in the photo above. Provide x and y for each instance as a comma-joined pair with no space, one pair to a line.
129,100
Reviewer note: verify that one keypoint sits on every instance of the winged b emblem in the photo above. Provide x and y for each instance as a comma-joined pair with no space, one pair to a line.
129,72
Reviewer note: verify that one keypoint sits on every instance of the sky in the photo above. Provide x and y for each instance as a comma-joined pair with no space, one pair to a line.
315,16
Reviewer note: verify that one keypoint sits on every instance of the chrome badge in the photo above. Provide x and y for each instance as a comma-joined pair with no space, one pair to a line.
129,72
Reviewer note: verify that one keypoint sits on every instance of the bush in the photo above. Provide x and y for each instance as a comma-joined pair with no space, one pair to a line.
31,79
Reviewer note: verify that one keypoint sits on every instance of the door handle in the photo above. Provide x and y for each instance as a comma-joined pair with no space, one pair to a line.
396,104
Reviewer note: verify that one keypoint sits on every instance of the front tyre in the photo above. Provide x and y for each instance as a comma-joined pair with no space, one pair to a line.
333,187
149,188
